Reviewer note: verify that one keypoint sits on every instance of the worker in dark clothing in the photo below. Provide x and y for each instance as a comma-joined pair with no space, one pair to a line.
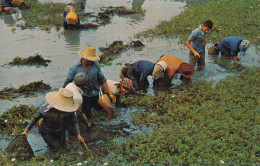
57,117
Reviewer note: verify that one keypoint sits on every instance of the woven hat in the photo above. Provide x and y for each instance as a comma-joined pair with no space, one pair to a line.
62,100
72,17
244,45
80,79
126,83
89,53
186,70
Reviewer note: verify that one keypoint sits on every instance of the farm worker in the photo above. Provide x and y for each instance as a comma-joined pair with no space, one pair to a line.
89,65
71,19
8,6
57,117
138,73
125,86
76,86
197,42
174,65
231,46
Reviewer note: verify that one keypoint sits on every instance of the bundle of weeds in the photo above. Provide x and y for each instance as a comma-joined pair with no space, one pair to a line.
37,59
230,18
111,52
33,87
14,120
121,10
28,89
201,123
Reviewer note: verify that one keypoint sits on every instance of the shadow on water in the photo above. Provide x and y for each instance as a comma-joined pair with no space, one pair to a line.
62,47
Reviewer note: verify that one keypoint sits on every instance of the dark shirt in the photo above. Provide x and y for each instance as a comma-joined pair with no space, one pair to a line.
6,3
144,68
54,121
230,44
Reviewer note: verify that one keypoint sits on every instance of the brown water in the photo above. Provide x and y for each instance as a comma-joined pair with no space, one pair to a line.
61,48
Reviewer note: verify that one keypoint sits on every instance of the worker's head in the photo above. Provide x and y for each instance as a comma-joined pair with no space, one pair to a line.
80,79
126,86
72,17
186,70
244,45
207,26
159,70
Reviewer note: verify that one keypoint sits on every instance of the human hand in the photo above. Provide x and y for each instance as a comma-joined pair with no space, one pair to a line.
25,132
236,58
81,139
113,98
196,54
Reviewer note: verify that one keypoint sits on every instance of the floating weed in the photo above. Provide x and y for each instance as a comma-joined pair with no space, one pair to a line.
113,50
37,59
181,25
15,119
28,89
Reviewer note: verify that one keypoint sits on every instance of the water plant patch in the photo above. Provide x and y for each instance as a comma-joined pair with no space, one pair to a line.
113,50
27,90
37,59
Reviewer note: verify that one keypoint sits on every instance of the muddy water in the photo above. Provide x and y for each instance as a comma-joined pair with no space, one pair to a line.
61,48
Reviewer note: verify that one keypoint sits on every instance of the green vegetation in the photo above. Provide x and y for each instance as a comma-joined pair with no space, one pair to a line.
27,90
230,18
197,124
14,120
37,59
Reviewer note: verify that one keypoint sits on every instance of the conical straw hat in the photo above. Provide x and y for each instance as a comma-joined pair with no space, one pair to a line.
62,100
89,53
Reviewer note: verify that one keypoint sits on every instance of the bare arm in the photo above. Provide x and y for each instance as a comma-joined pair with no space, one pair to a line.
188,44
110,94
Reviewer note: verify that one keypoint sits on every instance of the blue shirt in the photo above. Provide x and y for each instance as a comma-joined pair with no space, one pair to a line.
6,3
230,44
95,78
197,38
145,68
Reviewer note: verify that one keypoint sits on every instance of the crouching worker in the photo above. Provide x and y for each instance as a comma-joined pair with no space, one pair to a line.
71,19
57,117
174,65
125,86
231,46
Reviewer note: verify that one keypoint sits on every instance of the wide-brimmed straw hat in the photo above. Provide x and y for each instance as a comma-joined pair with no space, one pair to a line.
186,70
62,100
89,53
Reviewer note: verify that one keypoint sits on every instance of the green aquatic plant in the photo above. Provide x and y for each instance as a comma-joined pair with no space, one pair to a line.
27,90
230,18
201,123
37,59
14,120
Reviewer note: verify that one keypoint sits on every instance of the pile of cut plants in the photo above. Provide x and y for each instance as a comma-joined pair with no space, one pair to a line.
26,90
